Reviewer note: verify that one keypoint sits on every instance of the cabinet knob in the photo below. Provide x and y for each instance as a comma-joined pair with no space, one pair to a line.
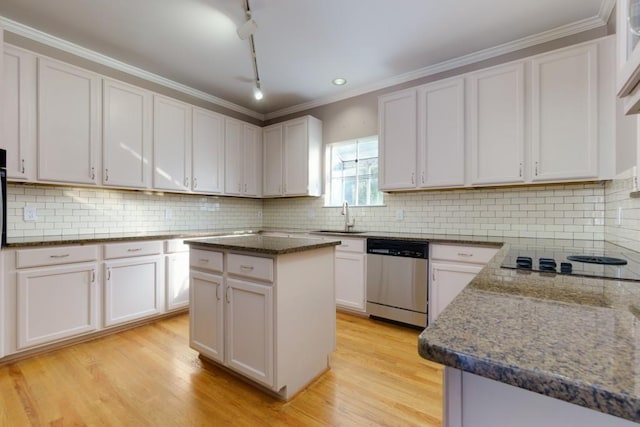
93,172
22,165
186,182
195,182
226,295
536,168
106,174
520,169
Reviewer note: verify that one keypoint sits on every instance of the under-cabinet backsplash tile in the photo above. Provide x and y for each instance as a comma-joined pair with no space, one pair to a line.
569,211
69,211
622,215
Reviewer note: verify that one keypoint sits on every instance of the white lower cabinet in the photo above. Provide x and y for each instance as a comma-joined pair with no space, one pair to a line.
206,325
133,281
176,275
249,340
451,268
350,275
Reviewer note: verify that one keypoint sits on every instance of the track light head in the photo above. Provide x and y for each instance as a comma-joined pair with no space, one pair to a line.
247,29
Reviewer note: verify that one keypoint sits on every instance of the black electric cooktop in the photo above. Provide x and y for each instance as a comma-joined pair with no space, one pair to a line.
596,263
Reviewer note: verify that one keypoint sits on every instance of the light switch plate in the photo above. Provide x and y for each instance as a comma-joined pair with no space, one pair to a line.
168,214
30,213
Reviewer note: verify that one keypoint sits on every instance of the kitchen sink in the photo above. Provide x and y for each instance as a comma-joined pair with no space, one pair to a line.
339,232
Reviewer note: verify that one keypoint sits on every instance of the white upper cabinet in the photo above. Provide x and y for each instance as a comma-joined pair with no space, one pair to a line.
171,144
398,140
252,160
564,114
207,171
233,151
19,113
441,134
496,130
68,123
243,148
299,147
273,158
126,141
628,54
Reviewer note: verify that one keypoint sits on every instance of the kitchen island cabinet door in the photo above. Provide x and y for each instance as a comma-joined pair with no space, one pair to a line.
441,133
250,340
206,316
207,171
19,113
564,115
126,140
134,289
497,117
54,303
171,144
68,124
398,140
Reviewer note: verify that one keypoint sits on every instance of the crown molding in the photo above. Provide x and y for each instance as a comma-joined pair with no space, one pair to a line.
66,46
481,55
606,9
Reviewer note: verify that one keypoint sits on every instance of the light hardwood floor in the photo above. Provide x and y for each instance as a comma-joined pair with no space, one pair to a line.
149,376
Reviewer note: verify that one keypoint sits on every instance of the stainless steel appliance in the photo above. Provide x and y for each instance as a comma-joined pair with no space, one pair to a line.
397,280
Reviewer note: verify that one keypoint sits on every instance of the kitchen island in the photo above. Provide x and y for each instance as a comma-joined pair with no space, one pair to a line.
264,308
518,345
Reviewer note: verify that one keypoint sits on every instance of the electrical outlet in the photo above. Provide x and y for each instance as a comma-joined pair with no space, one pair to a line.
311,214
168,214
619,218
260,213
30,213
400,214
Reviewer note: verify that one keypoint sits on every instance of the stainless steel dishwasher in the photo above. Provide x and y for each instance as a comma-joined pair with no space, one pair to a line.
397,280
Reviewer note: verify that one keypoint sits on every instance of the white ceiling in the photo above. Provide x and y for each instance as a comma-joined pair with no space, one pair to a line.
301,44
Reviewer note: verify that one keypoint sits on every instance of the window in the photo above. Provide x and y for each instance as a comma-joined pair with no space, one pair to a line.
352,174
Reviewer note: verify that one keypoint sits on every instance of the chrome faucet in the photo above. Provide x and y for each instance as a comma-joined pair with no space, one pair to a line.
345,212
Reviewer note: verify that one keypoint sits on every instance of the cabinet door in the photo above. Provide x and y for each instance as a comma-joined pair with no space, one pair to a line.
171,142
19,113
68,123
206,321
134,289
497,125
564,116
233,148
350,282
207,169
447,281
441,134
177,278
398,140
296,157
250,330
273,156
126,148
252,161
56,303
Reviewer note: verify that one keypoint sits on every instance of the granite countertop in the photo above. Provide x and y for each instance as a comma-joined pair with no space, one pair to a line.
256,243
572,338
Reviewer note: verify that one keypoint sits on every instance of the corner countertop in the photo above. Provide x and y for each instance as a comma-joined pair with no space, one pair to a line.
572,338
256,243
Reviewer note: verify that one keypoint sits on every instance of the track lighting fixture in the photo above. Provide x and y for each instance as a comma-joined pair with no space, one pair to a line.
245,31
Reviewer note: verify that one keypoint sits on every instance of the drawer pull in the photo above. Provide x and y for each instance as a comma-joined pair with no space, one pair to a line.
464,254
59,256
205,260
247,267
134,250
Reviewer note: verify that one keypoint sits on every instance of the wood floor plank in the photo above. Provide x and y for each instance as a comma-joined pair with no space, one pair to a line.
148,376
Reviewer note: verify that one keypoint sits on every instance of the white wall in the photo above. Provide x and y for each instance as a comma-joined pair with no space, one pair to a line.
72,211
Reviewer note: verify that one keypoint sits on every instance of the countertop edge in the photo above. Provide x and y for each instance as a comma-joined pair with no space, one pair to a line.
265,251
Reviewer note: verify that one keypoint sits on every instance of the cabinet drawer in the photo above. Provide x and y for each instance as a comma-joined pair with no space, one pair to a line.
55,255
250,266
351,245
176,245
129,249
471,254
205,260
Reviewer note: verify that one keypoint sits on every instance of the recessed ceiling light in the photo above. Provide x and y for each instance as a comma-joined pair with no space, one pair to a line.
339,81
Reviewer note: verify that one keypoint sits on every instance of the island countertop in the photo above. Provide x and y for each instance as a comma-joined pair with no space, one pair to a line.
572,338
260,244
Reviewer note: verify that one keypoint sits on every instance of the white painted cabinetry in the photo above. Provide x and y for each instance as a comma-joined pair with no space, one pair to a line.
133,281
171,144
451,268
126,140
496,126
397,137
292,158
69,132
243,150
56,294
208,161
18,111
176,274
350,275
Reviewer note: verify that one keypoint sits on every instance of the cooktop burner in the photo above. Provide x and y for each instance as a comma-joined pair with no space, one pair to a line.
571,261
